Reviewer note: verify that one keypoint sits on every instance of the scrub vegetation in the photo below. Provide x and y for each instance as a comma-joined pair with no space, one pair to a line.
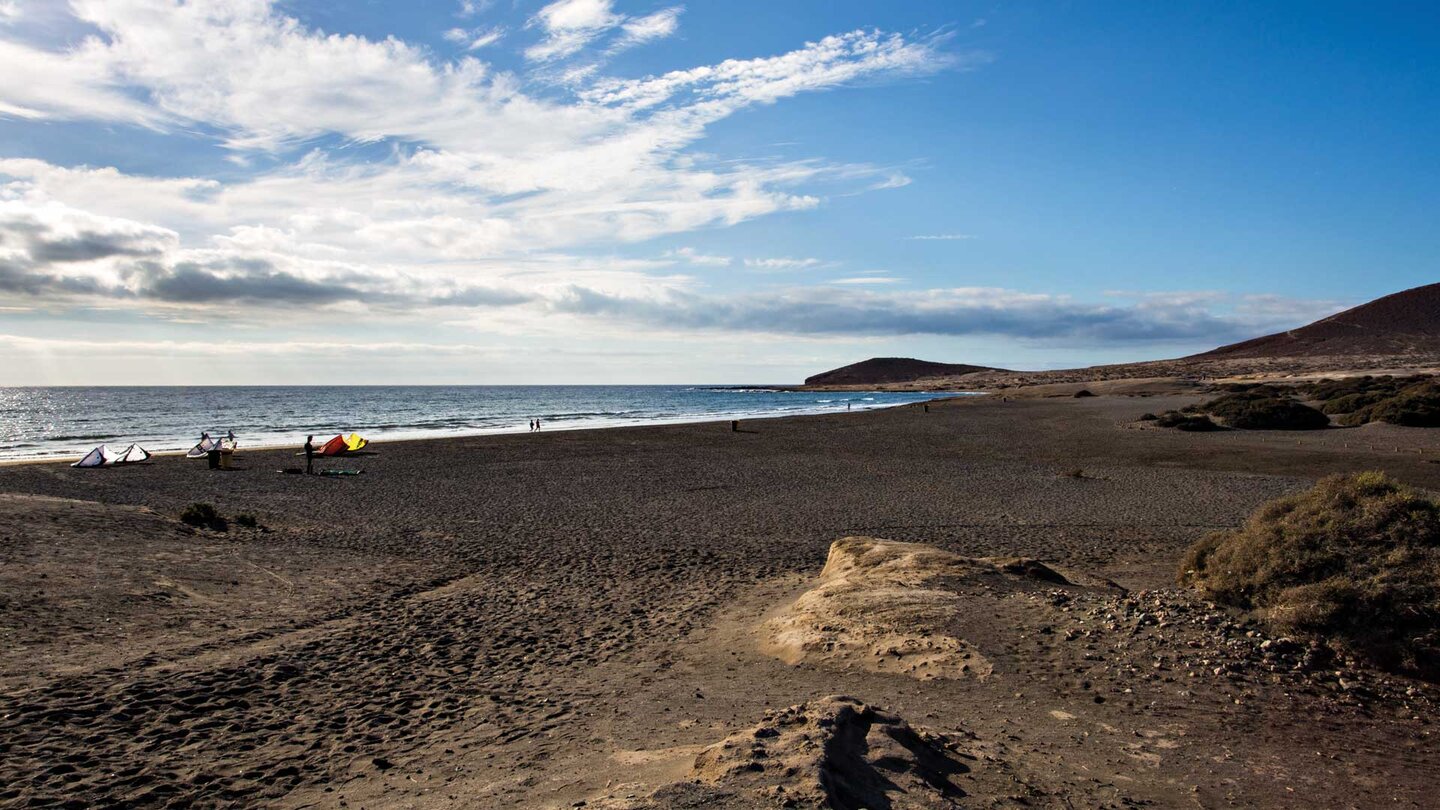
1354,561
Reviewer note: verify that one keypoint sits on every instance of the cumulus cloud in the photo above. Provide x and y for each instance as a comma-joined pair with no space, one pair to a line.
484,167
55,251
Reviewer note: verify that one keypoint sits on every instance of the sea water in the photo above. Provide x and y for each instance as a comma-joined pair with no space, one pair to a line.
50,422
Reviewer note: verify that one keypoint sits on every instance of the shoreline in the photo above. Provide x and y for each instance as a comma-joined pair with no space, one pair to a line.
435,436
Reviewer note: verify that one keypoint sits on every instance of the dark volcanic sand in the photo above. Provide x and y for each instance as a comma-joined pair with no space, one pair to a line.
537,620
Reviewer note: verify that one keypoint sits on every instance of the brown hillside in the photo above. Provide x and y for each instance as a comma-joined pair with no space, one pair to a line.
1405,323
885,370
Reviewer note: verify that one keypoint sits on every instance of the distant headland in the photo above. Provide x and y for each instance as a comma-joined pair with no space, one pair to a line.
1395,333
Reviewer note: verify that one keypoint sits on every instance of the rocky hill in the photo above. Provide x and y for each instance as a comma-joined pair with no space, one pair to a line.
891,370
1403,324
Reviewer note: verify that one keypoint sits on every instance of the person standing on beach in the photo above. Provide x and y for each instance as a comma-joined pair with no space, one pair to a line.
309,455
537,423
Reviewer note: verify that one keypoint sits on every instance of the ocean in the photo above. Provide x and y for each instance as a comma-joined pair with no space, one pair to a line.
58,422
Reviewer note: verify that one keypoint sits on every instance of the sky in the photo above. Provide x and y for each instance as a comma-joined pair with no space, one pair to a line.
608,191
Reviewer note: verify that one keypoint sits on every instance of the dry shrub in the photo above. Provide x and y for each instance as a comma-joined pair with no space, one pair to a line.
1186,422
204,516
1354,561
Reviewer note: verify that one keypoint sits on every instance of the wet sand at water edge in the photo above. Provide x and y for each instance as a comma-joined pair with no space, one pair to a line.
553,619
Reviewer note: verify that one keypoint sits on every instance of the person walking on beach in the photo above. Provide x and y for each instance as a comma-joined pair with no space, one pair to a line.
309,455
537,423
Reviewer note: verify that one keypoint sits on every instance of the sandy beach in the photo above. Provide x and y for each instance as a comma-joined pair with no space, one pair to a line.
571,619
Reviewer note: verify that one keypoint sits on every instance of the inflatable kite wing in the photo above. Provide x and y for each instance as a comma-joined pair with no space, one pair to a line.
98,457
134,454
103,456
340,445
203,448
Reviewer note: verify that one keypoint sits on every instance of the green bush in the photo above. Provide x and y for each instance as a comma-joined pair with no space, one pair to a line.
1147,417
1411,401
247,521
1084,392
1354,561
203,516
1253,410
1349,403
1415,406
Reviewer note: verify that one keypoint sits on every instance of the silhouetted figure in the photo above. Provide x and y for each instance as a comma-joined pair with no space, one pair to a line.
309,455
847,406
537,423
735,425
927,407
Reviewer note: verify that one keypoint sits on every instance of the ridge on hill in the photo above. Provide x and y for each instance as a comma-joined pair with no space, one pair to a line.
888,370
1402,324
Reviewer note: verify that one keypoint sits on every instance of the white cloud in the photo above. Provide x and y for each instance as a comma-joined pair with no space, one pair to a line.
470,8
692,256
868,280
779,264
475,38
716,90
893,181
38,84
639,30
570,25
478,208
965,311
9,11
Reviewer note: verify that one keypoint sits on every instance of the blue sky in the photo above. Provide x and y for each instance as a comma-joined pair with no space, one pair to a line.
604,191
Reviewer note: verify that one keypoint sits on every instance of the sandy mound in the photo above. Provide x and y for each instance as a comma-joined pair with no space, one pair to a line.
910,609
835,752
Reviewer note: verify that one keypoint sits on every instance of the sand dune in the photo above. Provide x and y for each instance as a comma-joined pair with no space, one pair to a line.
897,607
